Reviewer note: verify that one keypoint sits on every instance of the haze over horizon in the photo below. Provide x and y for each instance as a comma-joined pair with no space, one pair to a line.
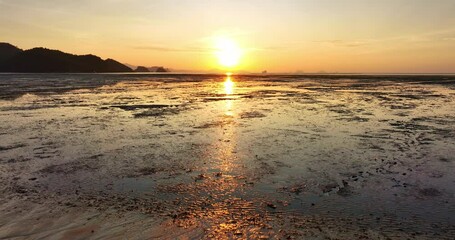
389,36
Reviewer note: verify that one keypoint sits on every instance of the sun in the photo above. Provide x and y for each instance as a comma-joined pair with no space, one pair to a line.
228,52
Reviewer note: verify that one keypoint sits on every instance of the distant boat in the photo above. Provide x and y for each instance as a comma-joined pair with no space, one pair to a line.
264,72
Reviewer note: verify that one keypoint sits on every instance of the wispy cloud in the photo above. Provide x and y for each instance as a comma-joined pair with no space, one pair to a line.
159,48
432,36
346,43
266,49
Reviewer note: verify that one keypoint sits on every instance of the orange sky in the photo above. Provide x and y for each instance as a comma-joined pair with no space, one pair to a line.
407,36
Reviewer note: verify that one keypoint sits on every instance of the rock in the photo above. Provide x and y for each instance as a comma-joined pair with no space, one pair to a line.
238,232
200,177
271,205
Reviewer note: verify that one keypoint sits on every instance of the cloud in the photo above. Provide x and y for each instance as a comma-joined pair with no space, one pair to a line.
273,48
422,38
158,48
344,43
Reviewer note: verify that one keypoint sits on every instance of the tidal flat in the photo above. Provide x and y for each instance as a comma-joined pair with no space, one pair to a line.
143,156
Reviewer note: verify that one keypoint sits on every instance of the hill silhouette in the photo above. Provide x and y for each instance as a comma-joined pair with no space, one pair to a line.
158,69
7,51
161,69
141,69
43,60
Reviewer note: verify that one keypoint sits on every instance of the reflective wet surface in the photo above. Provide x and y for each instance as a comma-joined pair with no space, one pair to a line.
207,156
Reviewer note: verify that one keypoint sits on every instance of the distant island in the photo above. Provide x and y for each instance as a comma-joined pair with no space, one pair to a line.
141,69
158,69
43,60
151,69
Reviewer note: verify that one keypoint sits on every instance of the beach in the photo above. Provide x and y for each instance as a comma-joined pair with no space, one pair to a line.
138,156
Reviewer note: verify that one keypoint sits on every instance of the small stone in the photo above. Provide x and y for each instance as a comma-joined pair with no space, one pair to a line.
238,232
200,177
271,205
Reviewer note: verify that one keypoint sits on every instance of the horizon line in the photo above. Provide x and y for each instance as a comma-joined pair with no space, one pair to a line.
238,74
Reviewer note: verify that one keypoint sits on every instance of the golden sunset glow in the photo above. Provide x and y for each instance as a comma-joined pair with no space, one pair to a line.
229,86
288,36
227,119
228,52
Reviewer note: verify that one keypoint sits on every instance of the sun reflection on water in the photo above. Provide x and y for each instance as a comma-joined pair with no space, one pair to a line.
228,106
229,85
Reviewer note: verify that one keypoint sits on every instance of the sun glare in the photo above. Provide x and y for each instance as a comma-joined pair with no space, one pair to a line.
228,52
228,86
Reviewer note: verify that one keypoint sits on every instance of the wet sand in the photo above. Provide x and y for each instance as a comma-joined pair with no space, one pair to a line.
190,156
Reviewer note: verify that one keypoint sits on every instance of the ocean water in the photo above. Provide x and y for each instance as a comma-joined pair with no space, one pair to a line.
215,156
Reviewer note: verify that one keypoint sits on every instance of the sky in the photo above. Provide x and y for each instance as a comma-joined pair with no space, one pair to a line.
361,36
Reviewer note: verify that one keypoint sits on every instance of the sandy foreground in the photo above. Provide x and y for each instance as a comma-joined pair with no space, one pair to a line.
251,157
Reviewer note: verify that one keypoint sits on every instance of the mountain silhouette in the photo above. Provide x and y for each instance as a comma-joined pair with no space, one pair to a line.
141,69
158,69
43,60
161,69
7,51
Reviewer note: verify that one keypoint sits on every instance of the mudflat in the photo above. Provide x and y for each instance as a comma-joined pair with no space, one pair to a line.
208,156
